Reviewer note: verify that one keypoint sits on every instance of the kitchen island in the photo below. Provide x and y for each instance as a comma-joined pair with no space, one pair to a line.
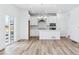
49,35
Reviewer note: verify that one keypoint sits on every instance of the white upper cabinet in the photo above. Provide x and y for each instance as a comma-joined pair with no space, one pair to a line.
51,19
33,21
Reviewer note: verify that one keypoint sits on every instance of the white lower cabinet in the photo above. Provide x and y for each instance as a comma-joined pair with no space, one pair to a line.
49,34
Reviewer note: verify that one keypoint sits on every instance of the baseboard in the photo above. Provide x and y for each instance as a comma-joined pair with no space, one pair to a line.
2,49
62,36
22,40
72,40
34,36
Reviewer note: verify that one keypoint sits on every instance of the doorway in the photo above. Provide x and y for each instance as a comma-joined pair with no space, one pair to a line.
30,32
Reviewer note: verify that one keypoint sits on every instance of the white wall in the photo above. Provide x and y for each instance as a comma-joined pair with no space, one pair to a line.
73,30
2,36
23,24
62,23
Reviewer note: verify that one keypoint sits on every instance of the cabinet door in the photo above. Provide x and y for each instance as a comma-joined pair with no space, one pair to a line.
51,19
34,32
54,35
33,21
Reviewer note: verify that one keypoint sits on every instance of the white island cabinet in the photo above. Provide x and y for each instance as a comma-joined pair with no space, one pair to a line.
49,34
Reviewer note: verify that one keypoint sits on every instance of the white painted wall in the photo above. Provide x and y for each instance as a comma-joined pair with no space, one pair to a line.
73,25
23,24
2,36
62,23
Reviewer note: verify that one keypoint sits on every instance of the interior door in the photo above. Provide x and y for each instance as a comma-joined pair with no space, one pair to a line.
9,29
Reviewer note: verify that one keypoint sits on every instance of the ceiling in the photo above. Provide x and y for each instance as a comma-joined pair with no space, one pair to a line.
47,8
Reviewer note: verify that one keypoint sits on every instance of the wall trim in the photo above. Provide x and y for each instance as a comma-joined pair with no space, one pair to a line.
20,40
63,37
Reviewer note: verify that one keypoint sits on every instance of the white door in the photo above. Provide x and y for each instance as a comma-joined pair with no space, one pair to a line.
9,29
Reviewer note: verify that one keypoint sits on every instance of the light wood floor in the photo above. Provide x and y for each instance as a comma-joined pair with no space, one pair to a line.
42,47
